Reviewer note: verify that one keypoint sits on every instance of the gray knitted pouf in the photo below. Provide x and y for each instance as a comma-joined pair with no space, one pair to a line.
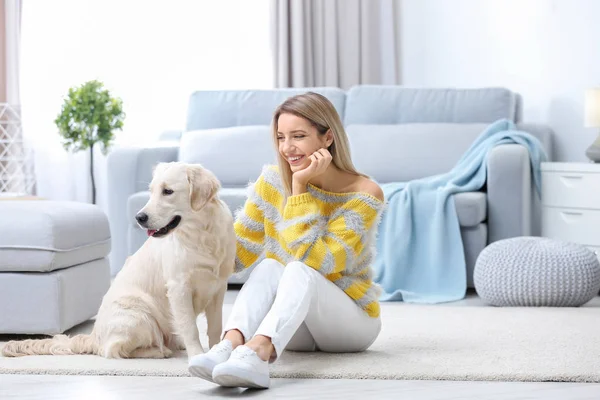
536,271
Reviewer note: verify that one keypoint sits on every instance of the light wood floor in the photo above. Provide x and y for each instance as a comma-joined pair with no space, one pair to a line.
45,387
23,387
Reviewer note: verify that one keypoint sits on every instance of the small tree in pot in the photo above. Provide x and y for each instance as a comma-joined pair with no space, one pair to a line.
89,115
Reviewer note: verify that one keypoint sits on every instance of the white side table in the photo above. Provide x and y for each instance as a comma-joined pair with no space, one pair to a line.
571,203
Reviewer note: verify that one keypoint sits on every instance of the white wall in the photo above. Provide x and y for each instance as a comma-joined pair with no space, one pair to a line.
547,50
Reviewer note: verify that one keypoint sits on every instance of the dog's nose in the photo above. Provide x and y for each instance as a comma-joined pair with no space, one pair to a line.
142,218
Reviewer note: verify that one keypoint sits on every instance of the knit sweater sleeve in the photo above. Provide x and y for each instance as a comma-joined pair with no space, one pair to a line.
249,228
333,245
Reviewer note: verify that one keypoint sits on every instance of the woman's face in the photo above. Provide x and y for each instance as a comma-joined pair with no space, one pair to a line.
298,140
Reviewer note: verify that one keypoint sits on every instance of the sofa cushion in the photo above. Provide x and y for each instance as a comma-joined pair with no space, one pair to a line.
470,207
226,108
399,153
49,235
381,104
235,155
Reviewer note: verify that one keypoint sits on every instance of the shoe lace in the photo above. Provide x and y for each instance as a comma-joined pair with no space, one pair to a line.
222,347
243,352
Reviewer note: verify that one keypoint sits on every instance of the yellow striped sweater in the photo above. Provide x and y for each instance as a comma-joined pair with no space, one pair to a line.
333,233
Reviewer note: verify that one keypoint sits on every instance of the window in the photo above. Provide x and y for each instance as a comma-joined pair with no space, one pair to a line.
152,54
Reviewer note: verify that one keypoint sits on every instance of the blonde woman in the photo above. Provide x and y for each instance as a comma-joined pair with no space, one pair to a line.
308,227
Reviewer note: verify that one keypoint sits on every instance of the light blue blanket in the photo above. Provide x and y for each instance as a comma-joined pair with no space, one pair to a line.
420,255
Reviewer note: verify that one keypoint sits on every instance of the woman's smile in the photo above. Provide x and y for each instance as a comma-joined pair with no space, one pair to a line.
295,160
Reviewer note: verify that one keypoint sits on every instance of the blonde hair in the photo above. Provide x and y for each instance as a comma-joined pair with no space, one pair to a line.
321,113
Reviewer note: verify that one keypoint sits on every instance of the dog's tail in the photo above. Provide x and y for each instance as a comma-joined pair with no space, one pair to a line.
57,345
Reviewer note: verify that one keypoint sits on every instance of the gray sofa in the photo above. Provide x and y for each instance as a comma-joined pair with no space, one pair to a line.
396,134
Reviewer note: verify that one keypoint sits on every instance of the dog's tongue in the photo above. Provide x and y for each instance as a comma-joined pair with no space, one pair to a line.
151,232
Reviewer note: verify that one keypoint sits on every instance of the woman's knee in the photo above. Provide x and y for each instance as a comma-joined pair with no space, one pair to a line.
298,273
298,267
267,267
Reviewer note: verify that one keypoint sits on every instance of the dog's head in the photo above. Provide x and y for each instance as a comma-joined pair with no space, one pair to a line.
177,192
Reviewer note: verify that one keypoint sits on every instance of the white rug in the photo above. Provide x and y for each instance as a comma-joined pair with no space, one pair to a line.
417,342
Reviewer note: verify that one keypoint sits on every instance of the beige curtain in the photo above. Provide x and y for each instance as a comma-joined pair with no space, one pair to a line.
13,157
337,43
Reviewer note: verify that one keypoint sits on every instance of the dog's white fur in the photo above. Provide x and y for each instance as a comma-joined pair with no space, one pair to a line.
151,308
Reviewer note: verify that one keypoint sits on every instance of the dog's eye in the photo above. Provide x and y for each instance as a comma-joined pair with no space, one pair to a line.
167,192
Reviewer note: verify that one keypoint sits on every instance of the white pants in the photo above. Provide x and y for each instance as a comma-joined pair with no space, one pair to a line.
299,309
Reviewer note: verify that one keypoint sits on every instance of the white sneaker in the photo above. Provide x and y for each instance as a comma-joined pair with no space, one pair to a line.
202,365
243,369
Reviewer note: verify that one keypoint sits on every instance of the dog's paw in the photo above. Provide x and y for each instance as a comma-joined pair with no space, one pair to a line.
177,344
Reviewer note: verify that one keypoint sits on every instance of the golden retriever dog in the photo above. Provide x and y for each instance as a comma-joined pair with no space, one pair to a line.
180,272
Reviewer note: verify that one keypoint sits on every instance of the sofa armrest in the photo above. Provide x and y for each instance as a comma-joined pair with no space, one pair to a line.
510,193
129,171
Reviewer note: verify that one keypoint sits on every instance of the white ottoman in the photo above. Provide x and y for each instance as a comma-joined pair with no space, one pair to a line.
530,271
54,269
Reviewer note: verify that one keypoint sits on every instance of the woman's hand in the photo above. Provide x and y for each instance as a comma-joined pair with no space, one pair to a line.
319,161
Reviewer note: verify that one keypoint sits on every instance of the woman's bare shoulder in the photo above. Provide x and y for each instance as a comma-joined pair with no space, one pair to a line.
368,186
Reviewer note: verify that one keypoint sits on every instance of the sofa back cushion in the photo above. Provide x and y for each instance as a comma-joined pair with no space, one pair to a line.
235,155
396,133
398,153
388,153
227,108
381,104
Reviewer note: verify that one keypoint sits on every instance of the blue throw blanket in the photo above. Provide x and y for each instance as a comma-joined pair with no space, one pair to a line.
420,255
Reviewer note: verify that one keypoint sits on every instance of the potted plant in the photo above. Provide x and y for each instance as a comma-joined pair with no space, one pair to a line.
89,115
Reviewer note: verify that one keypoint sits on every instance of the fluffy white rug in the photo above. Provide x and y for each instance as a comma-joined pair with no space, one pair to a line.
417,342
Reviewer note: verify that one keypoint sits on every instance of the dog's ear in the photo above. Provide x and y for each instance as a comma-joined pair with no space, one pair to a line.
204,186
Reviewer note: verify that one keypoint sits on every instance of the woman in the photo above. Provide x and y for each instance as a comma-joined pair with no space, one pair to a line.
308,227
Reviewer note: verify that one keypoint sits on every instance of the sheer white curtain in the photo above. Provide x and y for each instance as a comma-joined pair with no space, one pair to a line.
152,54
15,168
